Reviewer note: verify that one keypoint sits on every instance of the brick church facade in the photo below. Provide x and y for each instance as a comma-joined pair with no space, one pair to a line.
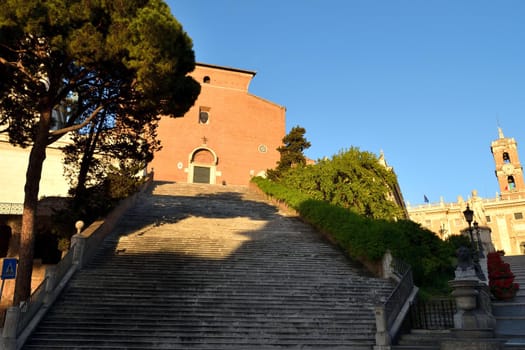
227,137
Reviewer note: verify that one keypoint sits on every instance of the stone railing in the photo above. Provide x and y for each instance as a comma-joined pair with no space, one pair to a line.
390,315
21,320
11,208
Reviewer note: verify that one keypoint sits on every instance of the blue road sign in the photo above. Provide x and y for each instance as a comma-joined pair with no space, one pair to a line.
9,268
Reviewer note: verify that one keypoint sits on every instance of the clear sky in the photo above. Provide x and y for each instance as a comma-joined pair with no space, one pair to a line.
428,82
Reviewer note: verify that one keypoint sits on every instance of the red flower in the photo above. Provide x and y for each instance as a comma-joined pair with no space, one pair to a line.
501,278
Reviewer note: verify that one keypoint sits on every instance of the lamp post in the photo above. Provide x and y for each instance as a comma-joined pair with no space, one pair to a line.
469,216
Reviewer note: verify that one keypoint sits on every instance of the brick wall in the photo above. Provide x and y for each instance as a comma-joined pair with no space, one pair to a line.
240,136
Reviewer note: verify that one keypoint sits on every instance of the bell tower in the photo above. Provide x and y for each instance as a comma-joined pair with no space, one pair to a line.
509,171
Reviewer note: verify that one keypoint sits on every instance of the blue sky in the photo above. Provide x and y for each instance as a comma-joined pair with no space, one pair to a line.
428,82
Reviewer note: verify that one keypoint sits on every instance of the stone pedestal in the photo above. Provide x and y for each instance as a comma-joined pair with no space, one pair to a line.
473,322
466,294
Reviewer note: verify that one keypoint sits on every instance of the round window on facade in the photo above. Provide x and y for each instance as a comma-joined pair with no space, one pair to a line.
262,148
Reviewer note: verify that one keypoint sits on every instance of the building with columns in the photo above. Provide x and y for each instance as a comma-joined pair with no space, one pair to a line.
502,217
227,137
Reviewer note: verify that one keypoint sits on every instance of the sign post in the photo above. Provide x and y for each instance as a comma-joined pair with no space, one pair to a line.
8,272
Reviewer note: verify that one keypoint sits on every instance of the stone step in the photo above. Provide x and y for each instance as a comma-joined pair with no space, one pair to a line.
514,344
233,304
210,268
508,308
196,324
510,326
255,341
126,311
420,339
510,314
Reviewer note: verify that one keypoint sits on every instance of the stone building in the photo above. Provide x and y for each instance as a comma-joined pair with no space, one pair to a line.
502,216
12,178
227,137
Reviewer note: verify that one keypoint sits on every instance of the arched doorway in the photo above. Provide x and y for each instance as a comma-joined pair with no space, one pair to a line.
203,163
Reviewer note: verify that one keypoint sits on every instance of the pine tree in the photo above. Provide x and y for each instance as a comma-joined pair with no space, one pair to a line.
294,144
64,63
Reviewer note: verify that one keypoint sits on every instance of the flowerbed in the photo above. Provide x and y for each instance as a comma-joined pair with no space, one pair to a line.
501,278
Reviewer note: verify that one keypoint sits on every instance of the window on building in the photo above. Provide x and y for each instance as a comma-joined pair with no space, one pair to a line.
487,218
206,80
506,158
518,216
511,184
204,115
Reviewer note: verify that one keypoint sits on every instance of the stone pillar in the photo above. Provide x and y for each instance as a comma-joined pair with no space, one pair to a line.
466,294
78,244
387,265
382,336
473,322
10,328
50,282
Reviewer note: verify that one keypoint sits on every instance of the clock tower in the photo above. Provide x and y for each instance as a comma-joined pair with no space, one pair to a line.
508,167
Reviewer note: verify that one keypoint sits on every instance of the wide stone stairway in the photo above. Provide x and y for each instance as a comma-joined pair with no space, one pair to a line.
213,267
510,314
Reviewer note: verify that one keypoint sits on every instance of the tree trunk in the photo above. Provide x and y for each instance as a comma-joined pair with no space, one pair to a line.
85,165
80,190
32,186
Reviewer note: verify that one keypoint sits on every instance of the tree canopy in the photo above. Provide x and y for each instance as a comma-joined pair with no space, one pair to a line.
65,63
292,152
352,179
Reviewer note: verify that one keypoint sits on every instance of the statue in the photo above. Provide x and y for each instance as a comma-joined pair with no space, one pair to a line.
465,268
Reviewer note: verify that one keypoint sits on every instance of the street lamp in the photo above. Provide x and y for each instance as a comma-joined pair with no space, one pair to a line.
476,254
469,215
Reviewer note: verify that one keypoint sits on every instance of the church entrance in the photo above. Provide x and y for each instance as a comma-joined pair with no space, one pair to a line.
203,163
201,175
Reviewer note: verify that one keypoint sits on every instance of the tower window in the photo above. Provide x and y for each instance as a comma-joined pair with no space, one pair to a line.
206,80
511,184
204,115
506,158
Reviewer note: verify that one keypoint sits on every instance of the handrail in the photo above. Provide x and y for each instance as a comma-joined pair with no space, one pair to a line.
390,314
33,305
64,265
20,320
399,295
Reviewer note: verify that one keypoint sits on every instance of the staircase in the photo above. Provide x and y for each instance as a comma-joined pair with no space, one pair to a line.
510,315
510,319
213,267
